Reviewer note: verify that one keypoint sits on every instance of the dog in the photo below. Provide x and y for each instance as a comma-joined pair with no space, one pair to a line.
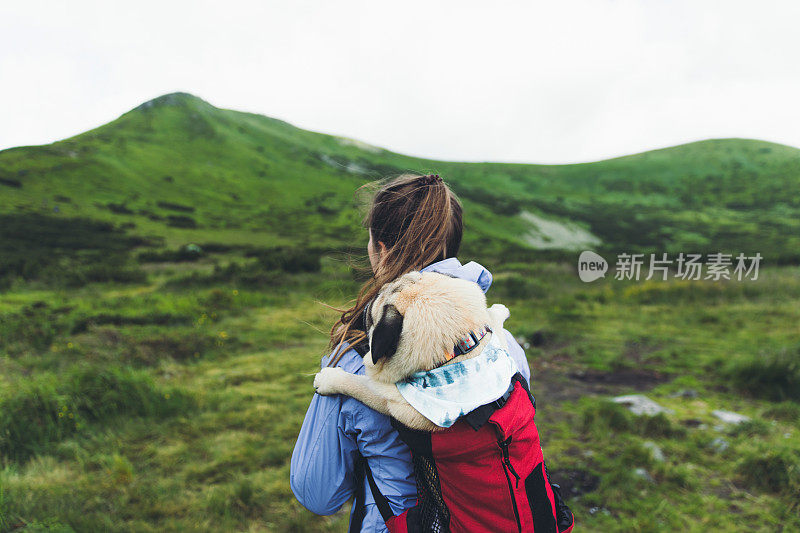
438,364
412,325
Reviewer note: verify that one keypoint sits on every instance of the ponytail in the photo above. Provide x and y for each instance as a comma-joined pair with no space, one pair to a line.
419,219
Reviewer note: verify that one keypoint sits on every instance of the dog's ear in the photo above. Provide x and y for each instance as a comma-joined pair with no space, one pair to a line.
386,335
367,318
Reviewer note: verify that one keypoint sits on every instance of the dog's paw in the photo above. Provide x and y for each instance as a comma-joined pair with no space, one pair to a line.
327,380
500,312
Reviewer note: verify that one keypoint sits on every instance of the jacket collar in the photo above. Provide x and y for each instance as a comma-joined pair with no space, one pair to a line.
471,271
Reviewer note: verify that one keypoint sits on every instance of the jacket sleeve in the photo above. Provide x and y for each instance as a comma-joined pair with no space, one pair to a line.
518,354
323,457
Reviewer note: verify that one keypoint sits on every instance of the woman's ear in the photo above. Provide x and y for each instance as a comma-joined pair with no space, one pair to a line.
382,252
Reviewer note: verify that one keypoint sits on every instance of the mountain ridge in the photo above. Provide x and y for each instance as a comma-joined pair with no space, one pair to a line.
242,170
185,99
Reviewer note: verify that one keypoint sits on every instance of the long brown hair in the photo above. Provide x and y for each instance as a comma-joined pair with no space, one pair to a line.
418,218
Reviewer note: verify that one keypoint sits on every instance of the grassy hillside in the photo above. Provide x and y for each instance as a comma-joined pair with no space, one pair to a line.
172,404
176,170
147,385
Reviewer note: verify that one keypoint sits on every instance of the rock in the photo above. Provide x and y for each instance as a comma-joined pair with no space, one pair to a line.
655,451
729,417
642,473
639,404
719,445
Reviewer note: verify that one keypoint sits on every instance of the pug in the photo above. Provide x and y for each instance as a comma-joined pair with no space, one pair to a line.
419,322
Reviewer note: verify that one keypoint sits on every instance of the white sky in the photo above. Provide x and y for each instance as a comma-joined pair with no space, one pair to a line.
540,82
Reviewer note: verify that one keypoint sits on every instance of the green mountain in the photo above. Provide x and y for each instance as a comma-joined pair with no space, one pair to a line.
177,169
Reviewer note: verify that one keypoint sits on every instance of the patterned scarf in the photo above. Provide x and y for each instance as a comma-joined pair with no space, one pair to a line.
447,392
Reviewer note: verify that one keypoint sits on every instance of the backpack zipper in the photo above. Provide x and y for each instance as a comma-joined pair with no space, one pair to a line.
506,460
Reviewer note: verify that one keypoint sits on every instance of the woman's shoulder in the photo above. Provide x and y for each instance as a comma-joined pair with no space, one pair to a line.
351,360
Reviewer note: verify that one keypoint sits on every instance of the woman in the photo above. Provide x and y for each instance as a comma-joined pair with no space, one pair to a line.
414,224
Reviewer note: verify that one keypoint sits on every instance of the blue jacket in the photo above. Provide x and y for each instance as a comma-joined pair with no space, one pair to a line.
338,427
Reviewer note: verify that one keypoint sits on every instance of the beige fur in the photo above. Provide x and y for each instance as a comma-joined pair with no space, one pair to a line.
437,310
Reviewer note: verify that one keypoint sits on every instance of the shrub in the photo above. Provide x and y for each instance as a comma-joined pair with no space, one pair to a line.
751,428
112,268
51,407
518,286
290,259
234,274
659,426
786,411
217,299
120,209
34,326
773,376
240,500
605,415
772,470
59,249
498,203
82,324
175,207
182,254
181,221
181,347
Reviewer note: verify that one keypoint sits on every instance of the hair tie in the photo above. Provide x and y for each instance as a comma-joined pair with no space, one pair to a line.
429,179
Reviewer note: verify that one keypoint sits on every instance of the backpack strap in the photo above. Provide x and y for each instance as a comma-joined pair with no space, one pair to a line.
381,500
363,470
359,507
480,415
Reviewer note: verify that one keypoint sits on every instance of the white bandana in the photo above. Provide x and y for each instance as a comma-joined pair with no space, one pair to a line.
445,393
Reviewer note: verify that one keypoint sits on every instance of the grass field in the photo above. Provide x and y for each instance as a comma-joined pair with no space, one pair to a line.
186,419
147,386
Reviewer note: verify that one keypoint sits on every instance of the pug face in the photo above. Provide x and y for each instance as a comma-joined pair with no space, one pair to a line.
414,321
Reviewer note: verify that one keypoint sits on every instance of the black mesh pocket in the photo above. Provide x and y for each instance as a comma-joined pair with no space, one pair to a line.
431,513
563,512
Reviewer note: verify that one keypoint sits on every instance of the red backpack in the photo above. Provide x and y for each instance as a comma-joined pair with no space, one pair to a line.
486,473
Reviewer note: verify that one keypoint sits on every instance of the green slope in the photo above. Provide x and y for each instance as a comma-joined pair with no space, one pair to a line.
179,168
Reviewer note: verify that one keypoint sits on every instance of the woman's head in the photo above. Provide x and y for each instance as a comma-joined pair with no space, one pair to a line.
413,221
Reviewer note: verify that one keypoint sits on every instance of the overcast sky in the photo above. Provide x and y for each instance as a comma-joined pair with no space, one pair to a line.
544,82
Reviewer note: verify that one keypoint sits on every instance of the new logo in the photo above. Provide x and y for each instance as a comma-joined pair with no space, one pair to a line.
591,266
